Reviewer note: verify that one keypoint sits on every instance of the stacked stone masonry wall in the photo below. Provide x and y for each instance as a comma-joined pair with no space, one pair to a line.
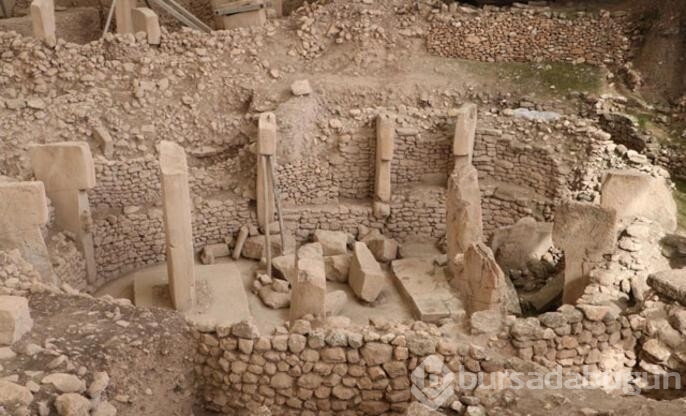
322,371
531,35
574,337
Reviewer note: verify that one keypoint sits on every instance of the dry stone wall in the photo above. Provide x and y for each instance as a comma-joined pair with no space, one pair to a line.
307,181
124,183
527,34
420,159
323,371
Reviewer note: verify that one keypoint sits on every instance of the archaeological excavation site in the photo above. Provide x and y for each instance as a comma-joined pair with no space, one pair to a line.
342,207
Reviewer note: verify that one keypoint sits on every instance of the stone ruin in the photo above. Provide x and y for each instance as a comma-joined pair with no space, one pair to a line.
209,223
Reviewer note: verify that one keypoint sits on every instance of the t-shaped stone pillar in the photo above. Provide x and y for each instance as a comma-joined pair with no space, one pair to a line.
123,15
145,20
585,233
23,210
266,146
176,203
67,170
385,136
43,21
465,131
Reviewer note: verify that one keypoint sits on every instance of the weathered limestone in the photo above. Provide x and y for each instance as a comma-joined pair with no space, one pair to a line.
15,319
385,136
522,242
266,146
636,194
365,276
483,284
145,20
23,210
333,242
308,295
67,170
383,248
670,284
177,224
43,21
463,210
465,132
337,267
123,15
585,233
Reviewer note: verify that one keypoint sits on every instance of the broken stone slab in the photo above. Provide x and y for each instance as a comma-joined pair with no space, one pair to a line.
15,319
213,251
426,288
384,249
284,266
517,244
274,299
65,383
308,296
483,284
335,301
337,267
585,233
72,404
332,242
301,87
365,277
636,194
254,247
145,20
670,284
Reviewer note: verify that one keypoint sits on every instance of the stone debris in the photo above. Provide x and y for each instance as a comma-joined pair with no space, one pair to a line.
301,87
333,242
365,276
308,296
670,284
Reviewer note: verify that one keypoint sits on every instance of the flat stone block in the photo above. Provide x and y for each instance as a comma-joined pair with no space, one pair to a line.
145,20
245,19
15,319
43,20
365,276
63,166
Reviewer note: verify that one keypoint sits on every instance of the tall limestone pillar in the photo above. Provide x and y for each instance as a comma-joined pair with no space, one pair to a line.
176,200
23,210
123,15
266,146
43,21
465,132
385,136
67,170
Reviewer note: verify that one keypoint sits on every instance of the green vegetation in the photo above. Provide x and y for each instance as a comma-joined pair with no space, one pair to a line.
552,79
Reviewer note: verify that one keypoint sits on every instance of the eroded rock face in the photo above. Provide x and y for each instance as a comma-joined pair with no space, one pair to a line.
483,284
636,194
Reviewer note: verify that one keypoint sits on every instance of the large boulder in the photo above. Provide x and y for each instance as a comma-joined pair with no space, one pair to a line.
254,247
13,394
517,244
365,277
72,404
636,194
15,319
383,248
